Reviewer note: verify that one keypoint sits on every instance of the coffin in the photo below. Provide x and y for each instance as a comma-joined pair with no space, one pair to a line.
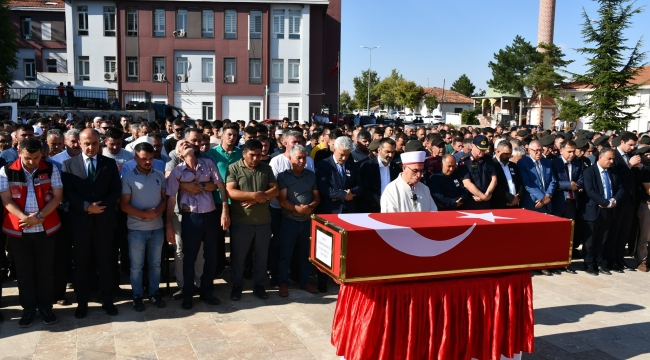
407,246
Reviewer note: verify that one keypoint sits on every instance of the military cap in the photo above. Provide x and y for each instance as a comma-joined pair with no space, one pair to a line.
588,134
481,143
582,143
616,141
565,135
602,141
548,140
644,140
374,145
641,151
414,145
522,133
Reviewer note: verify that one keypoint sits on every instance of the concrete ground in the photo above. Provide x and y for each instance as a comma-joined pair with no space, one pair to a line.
576,316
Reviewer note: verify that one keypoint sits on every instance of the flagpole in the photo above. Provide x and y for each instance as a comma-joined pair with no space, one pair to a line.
338,105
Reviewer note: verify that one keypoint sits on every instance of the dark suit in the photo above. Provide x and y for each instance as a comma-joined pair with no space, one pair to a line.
599,220
534,189
502,196
332,187
369,176
92,235
565,201
625,211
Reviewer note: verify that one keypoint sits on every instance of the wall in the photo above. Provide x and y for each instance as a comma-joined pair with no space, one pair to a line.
56,19
237,107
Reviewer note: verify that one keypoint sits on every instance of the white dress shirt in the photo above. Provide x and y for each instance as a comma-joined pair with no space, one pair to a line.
511,184
384,175
85,158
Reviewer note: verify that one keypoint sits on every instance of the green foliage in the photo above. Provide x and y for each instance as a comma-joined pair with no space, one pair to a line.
469,117
609,70
463,85
571,109
408,94
361,88
544,78
431,102
8,44
347,104
386,88
480,92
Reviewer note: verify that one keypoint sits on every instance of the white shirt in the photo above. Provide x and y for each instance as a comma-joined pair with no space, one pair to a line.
398,197
85,158
511,184
384,175
281,163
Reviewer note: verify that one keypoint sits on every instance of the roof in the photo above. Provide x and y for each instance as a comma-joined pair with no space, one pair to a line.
643,78
450,96
44,4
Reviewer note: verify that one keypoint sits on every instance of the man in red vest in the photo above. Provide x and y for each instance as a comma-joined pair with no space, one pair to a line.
31,190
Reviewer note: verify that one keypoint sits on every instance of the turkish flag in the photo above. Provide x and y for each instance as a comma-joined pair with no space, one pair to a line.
335,69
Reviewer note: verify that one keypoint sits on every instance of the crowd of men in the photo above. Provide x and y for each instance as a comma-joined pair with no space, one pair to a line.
89,201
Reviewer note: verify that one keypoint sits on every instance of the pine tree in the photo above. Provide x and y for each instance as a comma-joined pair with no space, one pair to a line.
610,72
463,85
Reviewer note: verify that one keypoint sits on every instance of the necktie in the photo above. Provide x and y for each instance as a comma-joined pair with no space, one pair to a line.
341,172
91,170
568,173
608,186
538,165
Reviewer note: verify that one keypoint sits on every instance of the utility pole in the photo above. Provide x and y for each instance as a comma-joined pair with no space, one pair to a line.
369,67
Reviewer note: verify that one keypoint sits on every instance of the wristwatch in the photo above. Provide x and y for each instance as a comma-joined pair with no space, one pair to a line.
203,185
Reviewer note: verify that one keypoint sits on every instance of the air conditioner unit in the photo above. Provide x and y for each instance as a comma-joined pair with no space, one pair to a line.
182,33
159,77
181,78
110,76
230,78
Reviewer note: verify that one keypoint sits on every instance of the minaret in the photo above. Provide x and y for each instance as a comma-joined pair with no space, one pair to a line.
546,21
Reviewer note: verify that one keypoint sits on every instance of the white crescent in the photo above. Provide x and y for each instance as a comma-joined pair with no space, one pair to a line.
405,239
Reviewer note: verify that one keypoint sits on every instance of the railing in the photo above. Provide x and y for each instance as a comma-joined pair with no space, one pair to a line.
109,99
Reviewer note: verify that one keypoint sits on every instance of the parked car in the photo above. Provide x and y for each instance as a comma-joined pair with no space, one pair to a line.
433,119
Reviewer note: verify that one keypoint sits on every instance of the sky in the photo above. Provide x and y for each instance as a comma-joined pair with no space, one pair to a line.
429,41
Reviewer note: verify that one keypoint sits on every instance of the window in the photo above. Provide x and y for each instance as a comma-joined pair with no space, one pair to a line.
50,65
181,19
26,26
458,110
110,64
277,70
278,24
229,69
230,23
159,22
132,69
294,111
208,110
30,69
82,20
294,24
84,68
131,22
294,71
182,65
46,31
256,24
109,20
255,71
207,70
207,24
159,65
255,111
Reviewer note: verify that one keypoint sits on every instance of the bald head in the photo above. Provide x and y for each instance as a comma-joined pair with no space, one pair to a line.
448,158
448,165
89,140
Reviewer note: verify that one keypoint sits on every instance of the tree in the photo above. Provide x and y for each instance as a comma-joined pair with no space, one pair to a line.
361,88
8,44
544,77
409,94
468,117
463,85
347,104
431,102
512,67
609,71
571,109
480,92
386,88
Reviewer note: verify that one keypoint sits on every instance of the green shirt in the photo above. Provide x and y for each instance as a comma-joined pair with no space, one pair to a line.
223,160
260,179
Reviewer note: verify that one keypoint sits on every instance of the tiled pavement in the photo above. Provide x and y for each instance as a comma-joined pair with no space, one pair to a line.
576,317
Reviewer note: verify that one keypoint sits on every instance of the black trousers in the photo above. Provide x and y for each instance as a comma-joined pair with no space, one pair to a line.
62,250
93,249
197,228
597,233
34,258
618,237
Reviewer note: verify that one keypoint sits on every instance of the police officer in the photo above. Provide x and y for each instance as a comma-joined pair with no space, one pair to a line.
478,175
446,186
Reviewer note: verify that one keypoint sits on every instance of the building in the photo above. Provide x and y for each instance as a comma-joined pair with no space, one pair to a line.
641,98
237,60
40,26
449,101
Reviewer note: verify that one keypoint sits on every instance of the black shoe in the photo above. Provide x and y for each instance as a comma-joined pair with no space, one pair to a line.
48,317
248,273
260,292
157,300
235,294
178,294
570,271
556,271
591,271
110,309
138,305
81,311
616,268
624,266
187,303
322,287
210,299
27,320
604,270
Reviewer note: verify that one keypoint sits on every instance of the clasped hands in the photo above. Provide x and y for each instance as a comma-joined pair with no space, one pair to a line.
545,200
30,220
260,197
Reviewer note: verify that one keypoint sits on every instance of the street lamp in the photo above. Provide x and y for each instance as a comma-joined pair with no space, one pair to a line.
369,67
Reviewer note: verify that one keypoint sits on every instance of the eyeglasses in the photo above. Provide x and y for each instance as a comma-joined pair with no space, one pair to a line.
416,172
535,150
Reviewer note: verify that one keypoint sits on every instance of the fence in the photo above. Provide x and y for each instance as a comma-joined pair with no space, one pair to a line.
109,99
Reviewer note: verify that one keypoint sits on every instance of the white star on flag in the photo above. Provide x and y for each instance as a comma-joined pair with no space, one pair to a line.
489,216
